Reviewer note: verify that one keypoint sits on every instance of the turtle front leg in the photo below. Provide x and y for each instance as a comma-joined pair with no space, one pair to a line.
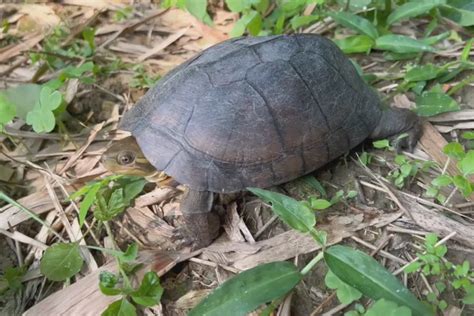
201,225
395,122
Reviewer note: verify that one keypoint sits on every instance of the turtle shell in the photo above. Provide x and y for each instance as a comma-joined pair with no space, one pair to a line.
254,112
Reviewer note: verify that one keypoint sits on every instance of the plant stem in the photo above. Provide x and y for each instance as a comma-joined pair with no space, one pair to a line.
312,263
33,215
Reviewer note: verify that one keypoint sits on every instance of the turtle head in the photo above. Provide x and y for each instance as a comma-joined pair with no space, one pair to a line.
125,157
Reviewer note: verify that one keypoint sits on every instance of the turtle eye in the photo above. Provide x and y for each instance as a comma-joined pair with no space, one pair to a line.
125,158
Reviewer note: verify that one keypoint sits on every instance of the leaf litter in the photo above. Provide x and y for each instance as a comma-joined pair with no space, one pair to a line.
41,170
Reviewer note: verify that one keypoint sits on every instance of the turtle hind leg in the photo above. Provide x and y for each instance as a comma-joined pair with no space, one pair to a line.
395,122
201,226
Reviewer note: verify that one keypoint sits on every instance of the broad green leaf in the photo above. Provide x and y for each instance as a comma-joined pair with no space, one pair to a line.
466,165
7,110
401,44
436,38
412,267
294,213
355,44
442,180
238,5
380,144
241,25
364,273
61,261
468,135
120,308
89,199
432,103
412,9
345,293
454,150
255,25
313,183
107,283
50,99
460,11
320,204
130,254
356,23
469,297
198,8
150,291
249,289
24,97
423,73
42,121
387,308
302,20
463,185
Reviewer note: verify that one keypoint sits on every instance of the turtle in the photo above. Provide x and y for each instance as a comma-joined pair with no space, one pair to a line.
252,112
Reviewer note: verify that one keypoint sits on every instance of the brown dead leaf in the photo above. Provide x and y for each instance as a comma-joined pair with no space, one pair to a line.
16,49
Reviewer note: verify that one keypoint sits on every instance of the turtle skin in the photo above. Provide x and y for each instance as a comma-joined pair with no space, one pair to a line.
258,112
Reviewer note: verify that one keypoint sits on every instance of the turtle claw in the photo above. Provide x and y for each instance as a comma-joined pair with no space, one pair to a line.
408,140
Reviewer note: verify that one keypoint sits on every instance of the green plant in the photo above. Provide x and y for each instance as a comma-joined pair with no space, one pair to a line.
11,279
448,276
110,196
271,282
141,78
462,182
406,169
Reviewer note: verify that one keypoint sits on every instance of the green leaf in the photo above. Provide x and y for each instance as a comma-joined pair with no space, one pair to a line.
364,273
238,5
412,267
294,213
466,50
87,202
412,9
120,308
150,291
345,293
387,308
463,184
320,204
7,110
355,44
432,103
255,25
314,183
42,121
247,19
468,135
459,11
61,261
423,73
130,254
454,150
50,99
303,20
469,297
132,189
23,97
380,144
356,23
249,289
466,165
107,283
442,180
401,44
198,8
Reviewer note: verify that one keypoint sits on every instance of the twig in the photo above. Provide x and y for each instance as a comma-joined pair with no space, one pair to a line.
442,241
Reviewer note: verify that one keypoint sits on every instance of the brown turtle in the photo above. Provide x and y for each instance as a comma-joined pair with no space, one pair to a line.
253,112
